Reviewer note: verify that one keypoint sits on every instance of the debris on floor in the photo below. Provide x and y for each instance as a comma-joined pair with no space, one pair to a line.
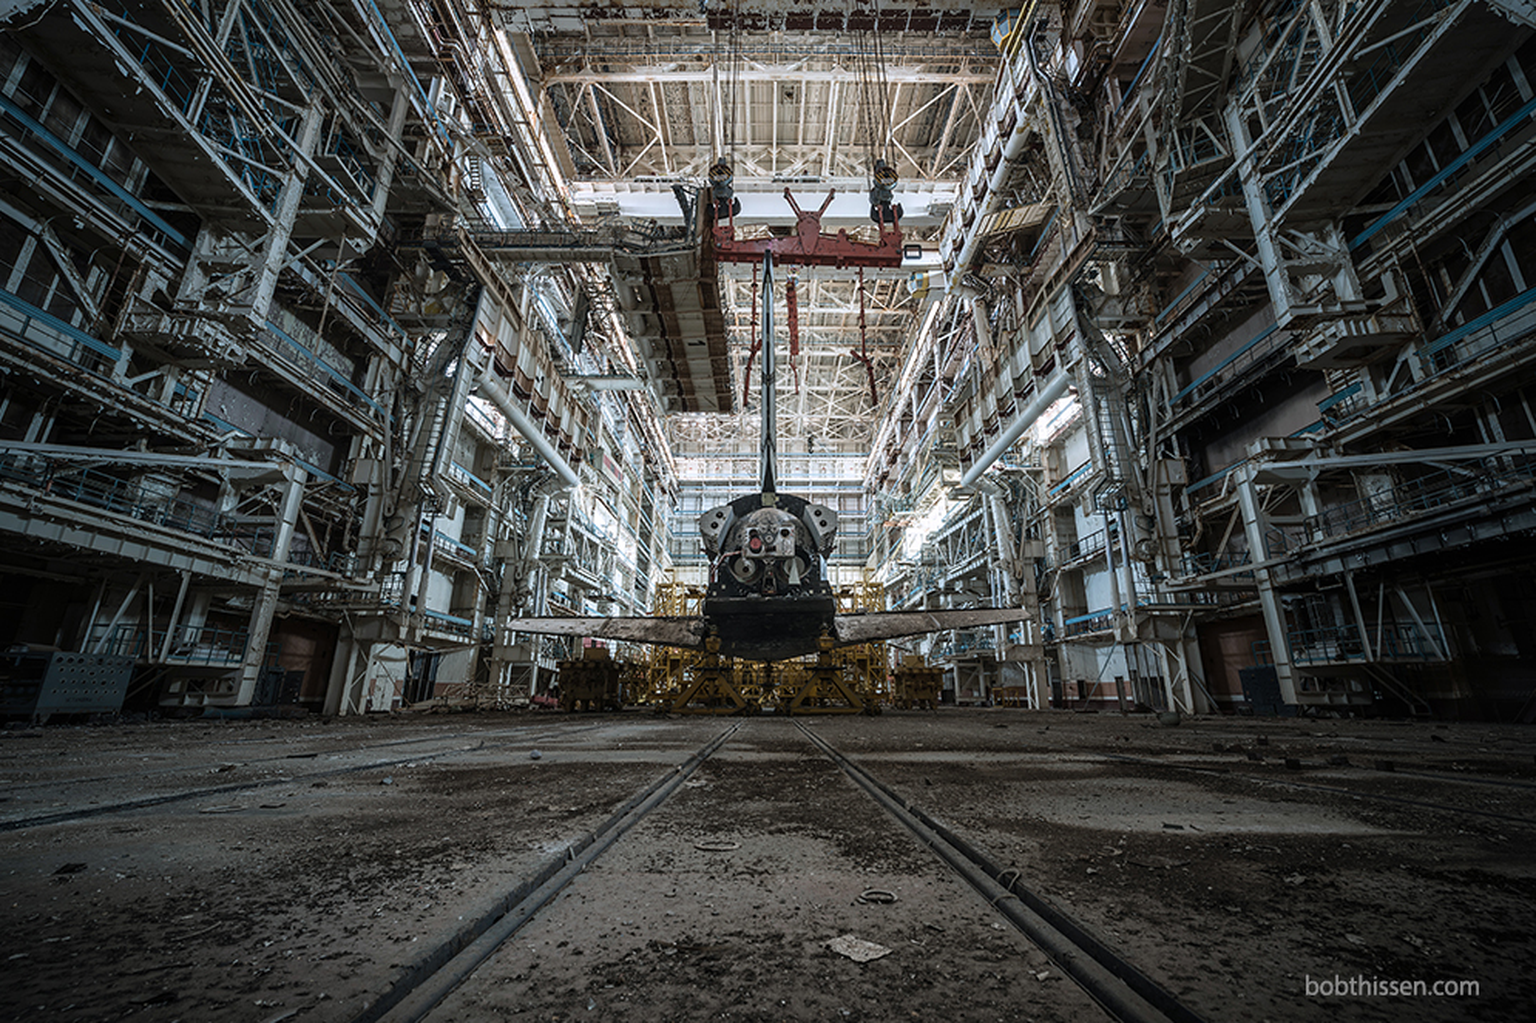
857,949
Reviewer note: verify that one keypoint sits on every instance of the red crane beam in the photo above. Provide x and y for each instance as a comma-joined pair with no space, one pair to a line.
809,246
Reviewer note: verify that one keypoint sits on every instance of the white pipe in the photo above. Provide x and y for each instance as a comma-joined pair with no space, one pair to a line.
536,528
525,426
994,196
1023,421
607,382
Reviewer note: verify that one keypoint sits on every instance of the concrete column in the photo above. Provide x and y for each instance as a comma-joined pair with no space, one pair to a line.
1346,282
1164,473
1253,197
122,609
471,363
197,611
171,626
40,425
979,318
340,697
536,532
1435,643
1117,595
260,625
371,530
1176,685
1204,703
419,576
1179,678
90,620
1354,606
274,253
1002,535
1269,600
1127,566
397,113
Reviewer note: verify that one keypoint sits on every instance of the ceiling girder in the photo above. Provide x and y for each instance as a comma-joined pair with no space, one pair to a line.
644,105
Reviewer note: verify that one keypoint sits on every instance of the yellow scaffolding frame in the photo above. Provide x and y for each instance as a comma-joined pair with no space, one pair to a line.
848,680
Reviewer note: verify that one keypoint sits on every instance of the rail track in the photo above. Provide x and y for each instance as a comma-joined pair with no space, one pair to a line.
511,737
1344,790
182,768
1124,992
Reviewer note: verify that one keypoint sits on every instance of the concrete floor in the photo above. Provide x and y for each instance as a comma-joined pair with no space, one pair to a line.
274,870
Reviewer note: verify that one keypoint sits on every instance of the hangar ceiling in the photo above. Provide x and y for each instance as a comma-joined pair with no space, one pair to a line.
647,96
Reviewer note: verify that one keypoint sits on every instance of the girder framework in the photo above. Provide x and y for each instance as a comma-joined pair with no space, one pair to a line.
642,107
788,110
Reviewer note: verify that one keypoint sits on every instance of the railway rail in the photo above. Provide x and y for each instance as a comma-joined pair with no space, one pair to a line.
1125,992
1343,790
674,870
513,737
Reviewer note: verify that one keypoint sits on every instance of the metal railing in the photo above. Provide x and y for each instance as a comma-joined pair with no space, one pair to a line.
481,418
455,549
1076,476
1502,327
205,645
463,475
261,541
45,331
1079,549
1093,621
311,366
964,643
445,622
1423,494
1343,643
110,493
1201,563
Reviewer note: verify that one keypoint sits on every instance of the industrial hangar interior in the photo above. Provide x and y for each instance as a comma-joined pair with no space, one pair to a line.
337,339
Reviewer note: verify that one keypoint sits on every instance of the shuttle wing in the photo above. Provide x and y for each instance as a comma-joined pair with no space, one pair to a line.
684,632
688,632
864,628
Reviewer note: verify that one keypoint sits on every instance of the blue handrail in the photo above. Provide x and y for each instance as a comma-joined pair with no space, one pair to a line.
93,171
1473,151
1130,90
476,480
47,319
1224,363
329,370
1500,311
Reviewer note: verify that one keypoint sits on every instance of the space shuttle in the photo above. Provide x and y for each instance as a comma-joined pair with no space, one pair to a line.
768,597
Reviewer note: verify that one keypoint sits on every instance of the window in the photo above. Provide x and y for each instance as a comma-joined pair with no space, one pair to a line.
63,115
10,56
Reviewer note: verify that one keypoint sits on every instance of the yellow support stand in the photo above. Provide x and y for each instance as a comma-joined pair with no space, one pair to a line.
868,664
824,686
664,673
848,681
1011,696
666,669
712,686
867,675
